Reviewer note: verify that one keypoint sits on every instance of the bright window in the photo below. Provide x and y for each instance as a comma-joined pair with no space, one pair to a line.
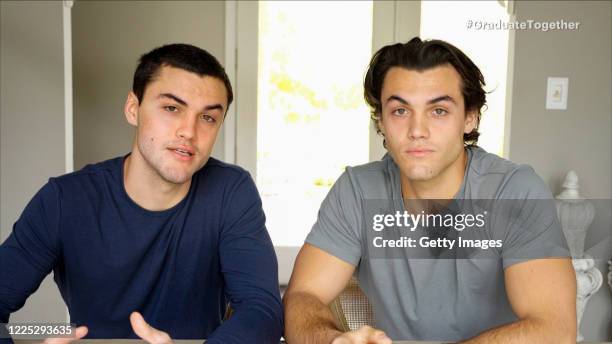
312,120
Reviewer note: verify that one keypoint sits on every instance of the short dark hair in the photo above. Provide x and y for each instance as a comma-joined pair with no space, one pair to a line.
183,56
421,55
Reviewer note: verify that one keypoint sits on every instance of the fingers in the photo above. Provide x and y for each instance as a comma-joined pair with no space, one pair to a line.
79,333
372,335
147,332
378,337
364,335
140,326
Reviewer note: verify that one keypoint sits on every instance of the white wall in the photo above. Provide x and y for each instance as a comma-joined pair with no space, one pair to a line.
31,122
579,138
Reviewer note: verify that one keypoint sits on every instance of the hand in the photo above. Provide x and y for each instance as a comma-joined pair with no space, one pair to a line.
364,335
79,333
147,332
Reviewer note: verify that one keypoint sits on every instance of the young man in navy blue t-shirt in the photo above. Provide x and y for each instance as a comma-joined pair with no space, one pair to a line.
156,243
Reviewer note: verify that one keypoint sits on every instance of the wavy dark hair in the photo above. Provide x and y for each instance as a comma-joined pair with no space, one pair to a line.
178,55
422,55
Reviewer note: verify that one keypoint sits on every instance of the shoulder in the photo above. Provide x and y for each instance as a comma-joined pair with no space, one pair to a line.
372,180
217,166
218,171
372,169
227,181
90,175
486,164
525,183
497,177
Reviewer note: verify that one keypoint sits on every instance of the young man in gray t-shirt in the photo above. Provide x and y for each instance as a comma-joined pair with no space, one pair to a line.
505,279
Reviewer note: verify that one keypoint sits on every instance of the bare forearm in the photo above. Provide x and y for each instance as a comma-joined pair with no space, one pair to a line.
527,331
308,320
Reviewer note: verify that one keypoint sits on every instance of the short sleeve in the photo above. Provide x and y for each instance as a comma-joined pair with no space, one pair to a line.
528,221
337,230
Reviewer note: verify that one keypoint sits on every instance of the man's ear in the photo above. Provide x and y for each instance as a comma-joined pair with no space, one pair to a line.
471,121
130,109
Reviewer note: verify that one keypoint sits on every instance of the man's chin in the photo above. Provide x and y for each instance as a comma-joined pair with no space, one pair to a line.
419,174
178,181
176,177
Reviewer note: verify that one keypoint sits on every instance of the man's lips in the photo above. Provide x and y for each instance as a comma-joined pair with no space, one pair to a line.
183,151
419,152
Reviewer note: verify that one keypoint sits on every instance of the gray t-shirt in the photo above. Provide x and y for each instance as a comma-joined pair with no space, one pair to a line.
446,296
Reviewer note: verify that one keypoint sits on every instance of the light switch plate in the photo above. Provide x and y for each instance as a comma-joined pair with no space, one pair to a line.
556,93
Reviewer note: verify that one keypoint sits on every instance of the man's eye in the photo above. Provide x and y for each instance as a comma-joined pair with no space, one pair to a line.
399,112
440,112
209,118
171,108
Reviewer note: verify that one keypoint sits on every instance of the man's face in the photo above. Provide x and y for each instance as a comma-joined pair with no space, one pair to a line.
423,120
177,122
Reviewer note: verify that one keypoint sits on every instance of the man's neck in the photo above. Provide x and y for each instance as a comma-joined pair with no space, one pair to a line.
147,189
444,186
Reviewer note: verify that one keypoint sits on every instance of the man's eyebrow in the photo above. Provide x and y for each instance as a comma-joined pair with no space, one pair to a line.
173,97
398,98
214,107
184,103
432,101
444,98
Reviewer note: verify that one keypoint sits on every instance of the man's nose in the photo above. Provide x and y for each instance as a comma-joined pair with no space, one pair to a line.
186,129
418,126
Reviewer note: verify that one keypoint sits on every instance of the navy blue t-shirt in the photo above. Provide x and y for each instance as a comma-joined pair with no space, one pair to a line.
179,267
